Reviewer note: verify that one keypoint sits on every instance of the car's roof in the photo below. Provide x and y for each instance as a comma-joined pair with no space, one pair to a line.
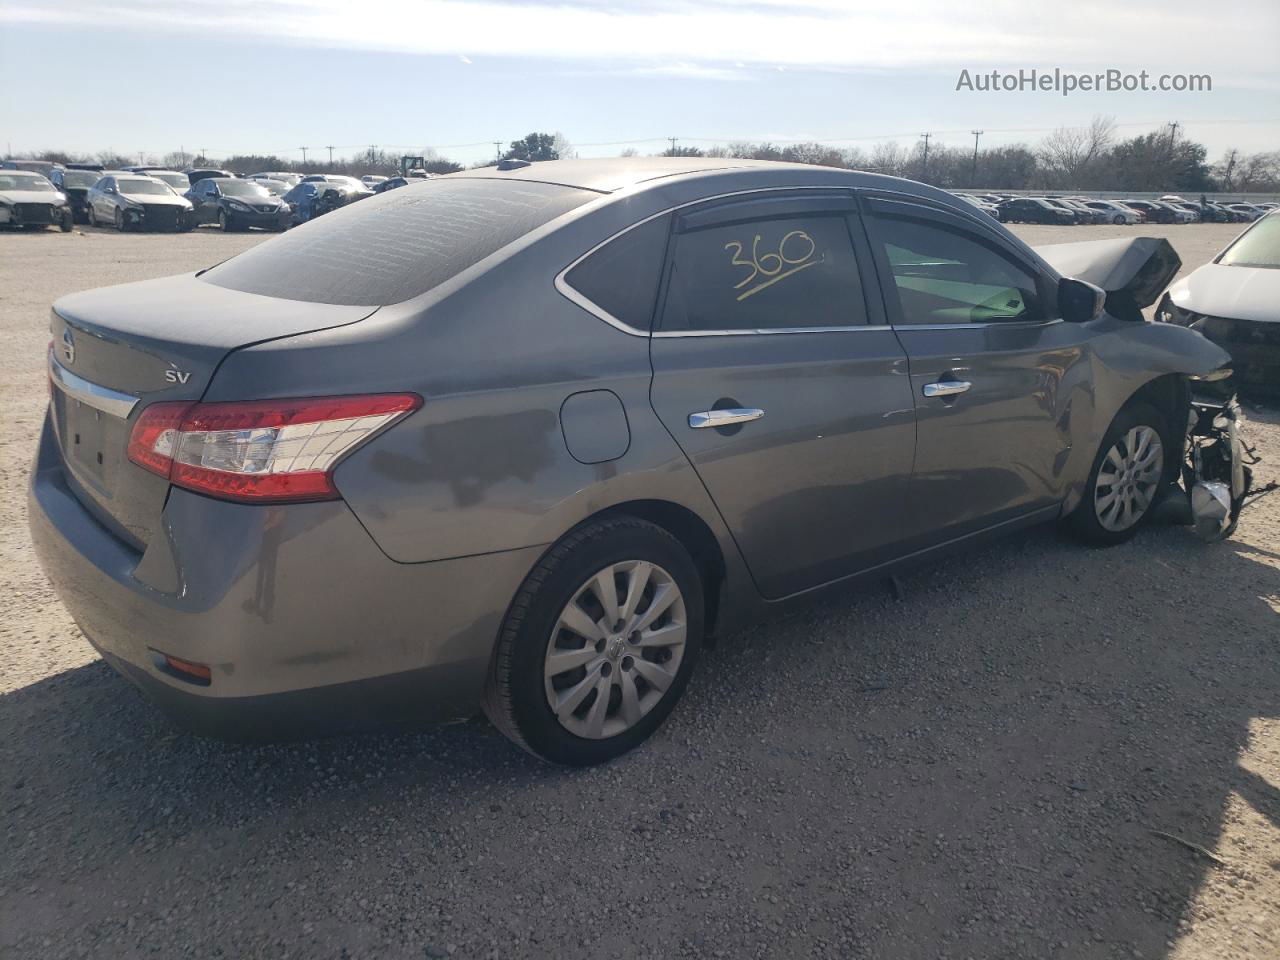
618,173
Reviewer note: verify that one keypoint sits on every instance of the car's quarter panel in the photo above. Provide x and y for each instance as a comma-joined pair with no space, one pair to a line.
237,586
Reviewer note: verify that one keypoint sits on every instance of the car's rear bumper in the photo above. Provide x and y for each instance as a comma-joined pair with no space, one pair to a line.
305,625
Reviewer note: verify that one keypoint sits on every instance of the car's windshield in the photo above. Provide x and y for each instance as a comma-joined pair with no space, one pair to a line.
178,181
1257,247
139,186
9,180
242,188
80,179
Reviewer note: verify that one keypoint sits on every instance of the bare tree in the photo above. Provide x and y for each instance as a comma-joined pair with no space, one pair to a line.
1070,154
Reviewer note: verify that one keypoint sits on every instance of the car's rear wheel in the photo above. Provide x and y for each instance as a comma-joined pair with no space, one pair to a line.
119,219
67,221
1118,219
1128,474
224,222
598,644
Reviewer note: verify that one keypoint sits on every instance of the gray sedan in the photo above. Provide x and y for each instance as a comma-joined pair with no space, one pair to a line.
523,437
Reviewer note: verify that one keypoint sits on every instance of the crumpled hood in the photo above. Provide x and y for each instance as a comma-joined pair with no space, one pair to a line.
32,196
1133,271
1237,293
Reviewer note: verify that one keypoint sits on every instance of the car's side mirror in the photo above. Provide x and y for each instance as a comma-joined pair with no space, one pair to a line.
1079,301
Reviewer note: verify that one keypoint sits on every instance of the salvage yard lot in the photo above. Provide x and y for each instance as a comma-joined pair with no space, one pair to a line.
991,766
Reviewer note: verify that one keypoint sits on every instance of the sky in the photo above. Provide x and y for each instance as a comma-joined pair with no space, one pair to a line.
144,77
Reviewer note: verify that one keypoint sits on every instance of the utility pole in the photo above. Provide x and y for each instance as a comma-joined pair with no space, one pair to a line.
673,145
973,170
924,165
497,149
1173,132
330,149
304,155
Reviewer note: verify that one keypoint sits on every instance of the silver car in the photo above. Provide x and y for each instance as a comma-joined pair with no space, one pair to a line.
523,437
136,201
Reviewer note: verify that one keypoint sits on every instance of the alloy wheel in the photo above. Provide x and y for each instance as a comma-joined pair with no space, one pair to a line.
1128,479
615,649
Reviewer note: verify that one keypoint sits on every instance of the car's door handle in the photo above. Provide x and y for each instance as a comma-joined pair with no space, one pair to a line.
946,388
724,418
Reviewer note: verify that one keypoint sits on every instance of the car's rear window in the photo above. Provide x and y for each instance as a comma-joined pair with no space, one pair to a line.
397,245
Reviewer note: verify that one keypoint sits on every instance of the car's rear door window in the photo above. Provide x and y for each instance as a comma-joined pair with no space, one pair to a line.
397,245
786,271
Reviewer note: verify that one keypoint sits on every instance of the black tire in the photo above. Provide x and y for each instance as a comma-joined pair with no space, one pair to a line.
224,222
1118,220
515,696
67,221
1084,521
118,217
93,218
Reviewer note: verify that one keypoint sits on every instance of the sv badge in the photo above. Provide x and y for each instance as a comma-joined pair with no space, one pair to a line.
177,376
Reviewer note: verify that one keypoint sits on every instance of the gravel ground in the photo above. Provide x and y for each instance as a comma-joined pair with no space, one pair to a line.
974,770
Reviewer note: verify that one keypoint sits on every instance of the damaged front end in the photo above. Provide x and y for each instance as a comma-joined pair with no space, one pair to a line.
1217,473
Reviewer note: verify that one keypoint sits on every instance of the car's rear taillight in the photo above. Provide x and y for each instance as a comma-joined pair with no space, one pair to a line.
267,451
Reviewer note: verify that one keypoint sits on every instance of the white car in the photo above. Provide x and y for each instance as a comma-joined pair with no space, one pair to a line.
1234,300
29,200
1115,212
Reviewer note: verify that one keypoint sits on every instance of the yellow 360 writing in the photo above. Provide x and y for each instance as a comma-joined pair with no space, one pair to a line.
796,251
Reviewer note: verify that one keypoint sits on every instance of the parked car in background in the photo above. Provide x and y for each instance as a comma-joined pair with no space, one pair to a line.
1077,215
990,209
392,183
1247,211
280,175
75,185
93,167
177,182
1034,210
29,200
135,201
237,204
1094,216
372,180
1234,300
1187,206
314,198
329,501
42,167
1114,212
195,176
1157,212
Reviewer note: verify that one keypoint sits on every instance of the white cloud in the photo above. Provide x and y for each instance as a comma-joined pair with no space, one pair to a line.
704,38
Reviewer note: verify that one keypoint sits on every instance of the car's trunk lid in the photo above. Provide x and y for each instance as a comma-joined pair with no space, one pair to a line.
117,350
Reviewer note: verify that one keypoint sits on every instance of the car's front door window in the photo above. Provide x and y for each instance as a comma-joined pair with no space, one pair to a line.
943,275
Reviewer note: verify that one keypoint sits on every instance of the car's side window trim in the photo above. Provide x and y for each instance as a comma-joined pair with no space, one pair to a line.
876,317
947,219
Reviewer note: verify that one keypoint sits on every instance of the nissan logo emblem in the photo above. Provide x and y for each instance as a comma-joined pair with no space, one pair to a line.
68,346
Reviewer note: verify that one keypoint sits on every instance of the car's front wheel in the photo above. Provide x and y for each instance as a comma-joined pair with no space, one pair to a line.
224,222
1128,474
598,644
119,219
